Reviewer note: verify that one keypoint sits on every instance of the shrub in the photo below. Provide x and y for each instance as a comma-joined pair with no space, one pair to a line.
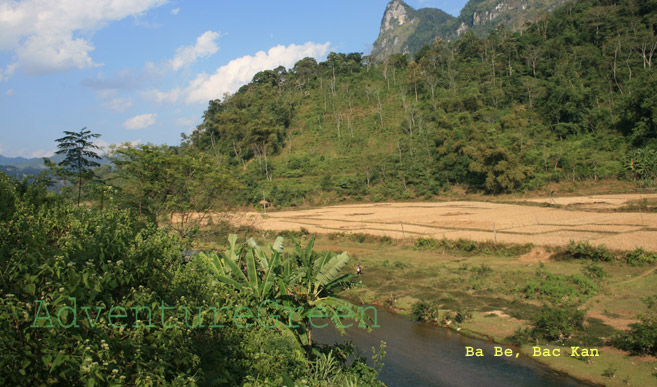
462,316
594,271
584,250
559,288
400,264
482,271
425,244
640,257
385,240
469,248
424,310
358,237
641,339
556,324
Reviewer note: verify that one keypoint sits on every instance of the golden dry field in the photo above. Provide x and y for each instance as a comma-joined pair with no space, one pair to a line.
586,218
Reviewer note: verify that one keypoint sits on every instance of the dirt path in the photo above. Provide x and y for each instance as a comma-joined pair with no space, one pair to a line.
645,274
479,221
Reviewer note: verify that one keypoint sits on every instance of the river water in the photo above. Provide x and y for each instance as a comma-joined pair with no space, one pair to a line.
423,355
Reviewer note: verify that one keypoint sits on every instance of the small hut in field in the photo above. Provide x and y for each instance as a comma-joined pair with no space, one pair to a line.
265,204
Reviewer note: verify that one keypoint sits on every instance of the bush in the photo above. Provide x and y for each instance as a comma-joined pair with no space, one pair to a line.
640,257
425,244
640,340
425,311
469,248
358,237
584,250
594,271
559,288
385,240
556,324
482,271
462,316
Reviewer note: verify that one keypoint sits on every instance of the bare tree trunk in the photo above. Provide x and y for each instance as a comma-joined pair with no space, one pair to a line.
238,155
378,97
264,152
615,66
310,341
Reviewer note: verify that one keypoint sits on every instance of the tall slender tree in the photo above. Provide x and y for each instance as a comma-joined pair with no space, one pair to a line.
80,155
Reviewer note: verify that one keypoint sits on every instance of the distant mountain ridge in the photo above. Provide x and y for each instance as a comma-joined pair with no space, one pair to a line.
406,30
20,166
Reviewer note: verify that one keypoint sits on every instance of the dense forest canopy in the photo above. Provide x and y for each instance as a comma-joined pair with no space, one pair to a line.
571,96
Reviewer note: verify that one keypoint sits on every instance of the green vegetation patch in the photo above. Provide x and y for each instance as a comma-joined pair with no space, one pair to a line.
469,248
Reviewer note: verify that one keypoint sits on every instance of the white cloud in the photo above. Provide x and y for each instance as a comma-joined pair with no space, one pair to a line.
8,72
229,78
42,153
171,96
54,35
106,147
102,144
10,92
118,104
205,46
183,121
132,79
140,122
125,79
175,11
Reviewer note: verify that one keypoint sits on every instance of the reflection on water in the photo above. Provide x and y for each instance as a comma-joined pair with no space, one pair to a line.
423,355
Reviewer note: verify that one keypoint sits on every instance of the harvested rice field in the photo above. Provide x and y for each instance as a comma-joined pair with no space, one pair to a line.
481,221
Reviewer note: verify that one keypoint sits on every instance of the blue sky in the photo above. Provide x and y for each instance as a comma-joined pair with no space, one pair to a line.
144,71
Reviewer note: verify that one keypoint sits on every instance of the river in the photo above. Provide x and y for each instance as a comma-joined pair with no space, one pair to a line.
423,355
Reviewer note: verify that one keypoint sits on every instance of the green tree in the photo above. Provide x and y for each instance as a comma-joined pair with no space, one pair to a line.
80,155
160,181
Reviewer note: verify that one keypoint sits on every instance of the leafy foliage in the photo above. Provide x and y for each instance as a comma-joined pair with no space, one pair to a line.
640,257
556,324
584,250
300,282
424,310
560,289
468,248
176,184
54,256
641,339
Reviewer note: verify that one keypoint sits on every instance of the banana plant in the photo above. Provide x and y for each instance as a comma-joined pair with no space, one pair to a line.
310,287
301,282
261,271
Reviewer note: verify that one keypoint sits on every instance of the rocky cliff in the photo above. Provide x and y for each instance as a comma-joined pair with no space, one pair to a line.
406,30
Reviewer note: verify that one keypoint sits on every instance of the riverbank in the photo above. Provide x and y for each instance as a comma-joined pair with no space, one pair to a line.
490,290
419,354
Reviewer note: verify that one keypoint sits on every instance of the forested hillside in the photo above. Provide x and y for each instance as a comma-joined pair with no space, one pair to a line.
572,97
